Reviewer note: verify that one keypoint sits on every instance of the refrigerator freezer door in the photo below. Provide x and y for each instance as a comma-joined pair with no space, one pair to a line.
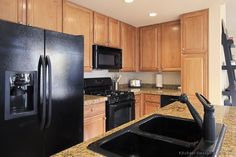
66,126
20,50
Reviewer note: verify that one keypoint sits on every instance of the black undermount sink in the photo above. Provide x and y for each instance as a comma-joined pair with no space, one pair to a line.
158,135
185,130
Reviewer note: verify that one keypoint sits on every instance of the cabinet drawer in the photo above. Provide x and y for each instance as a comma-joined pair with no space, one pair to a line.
137,98
95,109
152,98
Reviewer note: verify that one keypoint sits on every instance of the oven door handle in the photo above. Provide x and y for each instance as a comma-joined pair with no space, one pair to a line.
123,104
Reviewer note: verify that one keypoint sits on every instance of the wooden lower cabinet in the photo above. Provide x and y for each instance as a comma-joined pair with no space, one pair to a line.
94,120
94,126
150,107
151,103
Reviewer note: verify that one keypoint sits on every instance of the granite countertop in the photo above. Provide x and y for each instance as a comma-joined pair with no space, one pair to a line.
92,99
225,115
153,90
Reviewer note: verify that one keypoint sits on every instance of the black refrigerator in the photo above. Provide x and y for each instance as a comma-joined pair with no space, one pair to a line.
41,91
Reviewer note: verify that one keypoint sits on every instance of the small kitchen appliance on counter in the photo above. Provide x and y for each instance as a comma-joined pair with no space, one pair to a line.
159,83
135,83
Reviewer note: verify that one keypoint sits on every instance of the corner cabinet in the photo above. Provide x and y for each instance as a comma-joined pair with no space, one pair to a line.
94,120
45,14
78,20
128,41
170,46
150,43
194,57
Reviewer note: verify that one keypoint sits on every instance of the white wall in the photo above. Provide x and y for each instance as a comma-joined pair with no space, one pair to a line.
172,78
216,13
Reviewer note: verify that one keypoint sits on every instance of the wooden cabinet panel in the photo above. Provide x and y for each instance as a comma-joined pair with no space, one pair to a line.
194,28
100,29
151,103
170,45
45,14
194,74
150,48
13,11
94,126
92,110
152,98
150,107
94,120
128,34
79,21
194,59
114,32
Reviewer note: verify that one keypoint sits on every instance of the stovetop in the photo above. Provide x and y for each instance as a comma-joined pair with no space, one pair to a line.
114,96
103,87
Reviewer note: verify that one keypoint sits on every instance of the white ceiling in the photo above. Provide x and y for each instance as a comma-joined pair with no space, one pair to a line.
136,13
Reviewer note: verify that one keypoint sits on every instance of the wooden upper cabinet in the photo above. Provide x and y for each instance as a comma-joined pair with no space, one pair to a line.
13,11
100,29
194,74
79,21
113,32
170,46
194,28
150,42
128,34
45,14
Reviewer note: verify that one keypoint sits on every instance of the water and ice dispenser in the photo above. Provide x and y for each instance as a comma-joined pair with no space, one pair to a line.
20,94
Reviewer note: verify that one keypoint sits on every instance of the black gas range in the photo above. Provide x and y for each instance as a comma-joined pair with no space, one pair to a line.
120,106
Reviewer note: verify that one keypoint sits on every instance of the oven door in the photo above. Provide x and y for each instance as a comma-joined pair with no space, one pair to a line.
119,113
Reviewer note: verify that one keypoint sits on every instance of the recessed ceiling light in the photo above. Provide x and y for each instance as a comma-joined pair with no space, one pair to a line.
128,1
152,14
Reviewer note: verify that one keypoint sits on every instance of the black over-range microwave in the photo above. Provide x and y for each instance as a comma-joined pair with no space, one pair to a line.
106,57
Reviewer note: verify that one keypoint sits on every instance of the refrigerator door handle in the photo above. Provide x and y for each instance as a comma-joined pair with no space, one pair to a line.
49,110
42,68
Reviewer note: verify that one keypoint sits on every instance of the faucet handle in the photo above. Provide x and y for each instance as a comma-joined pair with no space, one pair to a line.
206,104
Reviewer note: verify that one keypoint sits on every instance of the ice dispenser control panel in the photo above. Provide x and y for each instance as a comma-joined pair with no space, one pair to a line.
20,94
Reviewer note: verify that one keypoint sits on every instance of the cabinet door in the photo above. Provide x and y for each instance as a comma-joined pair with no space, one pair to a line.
45,14
128,47
79,21
194,28
13,11
150,48
94,126
194,74
170,46
151,107
100,29
114,32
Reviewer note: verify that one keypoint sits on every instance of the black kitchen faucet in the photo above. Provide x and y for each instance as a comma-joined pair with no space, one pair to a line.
207,125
